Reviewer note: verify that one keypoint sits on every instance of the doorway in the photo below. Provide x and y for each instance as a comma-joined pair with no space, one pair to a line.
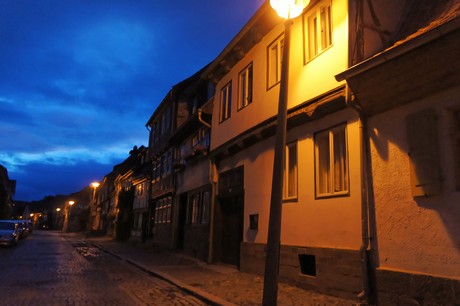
232,210
182,220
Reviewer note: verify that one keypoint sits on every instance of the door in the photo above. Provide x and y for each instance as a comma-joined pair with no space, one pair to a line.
232,229
181,221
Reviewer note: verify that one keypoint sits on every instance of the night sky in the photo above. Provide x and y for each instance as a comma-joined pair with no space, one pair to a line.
80,78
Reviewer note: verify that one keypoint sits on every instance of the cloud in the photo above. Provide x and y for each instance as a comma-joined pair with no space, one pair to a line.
80,78
65,156
56,179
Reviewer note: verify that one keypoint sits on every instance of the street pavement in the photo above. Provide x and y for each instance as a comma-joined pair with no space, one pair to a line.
215,284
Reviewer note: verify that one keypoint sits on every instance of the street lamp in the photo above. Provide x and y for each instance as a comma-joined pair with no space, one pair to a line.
58,210
66,215
93,185
286,9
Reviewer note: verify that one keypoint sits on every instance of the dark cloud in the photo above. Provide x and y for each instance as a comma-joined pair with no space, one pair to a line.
80,78
56,179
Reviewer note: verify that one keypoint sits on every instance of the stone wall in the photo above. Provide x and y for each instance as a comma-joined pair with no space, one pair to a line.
334,272
410,289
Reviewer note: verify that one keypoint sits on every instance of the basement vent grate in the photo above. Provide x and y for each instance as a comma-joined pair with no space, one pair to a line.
307,264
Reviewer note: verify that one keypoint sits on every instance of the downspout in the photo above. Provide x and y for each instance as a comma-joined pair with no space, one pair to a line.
366,173
212,168
200,111
213,195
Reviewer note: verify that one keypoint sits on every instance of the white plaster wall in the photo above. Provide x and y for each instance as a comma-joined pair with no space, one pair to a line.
306,80
422,234
331,222
195,175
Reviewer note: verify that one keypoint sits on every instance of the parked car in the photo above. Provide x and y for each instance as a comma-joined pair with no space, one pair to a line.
24,224
30,224
9,232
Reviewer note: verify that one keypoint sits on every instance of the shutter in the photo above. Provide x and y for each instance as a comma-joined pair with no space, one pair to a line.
422,137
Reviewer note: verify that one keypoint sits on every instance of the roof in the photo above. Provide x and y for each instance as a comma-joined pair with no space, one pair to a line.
426,20
424,16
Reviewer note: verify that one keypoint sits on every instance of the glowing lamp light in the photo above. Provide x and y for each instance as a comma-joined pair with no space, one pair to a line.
289,8
71,203
95,185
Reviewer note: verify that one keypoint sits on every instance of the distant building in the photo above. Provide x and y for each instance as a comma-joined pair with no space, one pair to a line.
182,189
7,190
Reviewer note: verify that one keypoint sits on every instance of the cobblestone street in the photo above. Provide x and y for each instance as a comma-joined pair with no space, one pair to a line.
46,269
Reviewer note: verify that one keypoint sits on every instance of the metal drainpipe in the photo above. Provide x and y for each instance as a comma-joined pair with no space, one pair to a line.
213,195
200,111
365,294
213,203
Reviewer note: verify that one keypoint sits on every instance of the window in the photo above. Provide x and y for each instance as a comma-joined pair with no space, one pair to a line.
163,210
156,171
290,172
422,140
245,87
318,29
194,208
331,162
199,205
225,102
201,139
274,55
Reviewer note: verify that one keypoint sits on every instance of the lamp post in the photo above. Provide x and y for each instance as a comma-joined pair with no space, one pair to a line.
286,9
67,215
93,185
58,210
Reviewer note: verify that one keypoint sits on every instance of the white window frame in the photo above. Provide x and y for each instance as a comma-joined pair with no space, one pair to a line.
330,174
290,186
245,86
318,30
225,102
274,61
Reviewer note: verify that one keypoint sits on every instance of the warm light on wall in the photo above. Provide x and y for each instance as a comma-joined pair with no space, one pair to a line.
289,8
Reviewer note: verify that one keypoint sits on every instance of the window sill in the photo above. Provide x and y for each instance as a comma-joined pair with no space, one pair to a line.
332,195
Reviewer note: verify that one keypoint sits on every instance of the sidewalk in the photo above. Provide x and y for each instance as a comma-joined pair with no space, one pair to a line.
216,284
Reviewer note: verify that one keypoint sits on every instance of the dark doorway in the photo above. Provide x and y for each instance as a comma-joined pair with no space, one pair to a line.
182,221
232,210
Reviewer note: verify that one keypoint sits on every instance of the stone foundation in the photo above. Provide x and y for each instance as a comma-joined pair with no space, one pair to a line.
329,271
410,289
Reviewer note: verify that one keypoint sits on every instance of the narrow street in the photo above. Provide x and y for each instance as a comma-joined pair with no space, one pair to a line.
47,269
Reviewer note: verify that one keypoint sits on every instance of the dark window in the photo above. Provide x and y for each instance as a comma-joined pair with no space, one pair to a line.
307,264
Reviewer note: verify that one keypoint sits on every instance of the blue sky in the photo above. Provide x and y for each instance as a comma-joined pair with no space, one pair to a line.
80,78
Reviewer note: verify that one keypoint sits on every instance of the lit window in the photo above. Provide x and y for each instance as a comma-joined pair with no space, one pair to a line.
331,162
245,87
163,210
318,29
225,102
275,54
290,172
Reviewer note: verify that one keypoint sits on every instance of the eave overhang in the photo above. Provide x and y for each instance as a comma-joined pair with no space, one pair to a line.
311,110
419,66
263,21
